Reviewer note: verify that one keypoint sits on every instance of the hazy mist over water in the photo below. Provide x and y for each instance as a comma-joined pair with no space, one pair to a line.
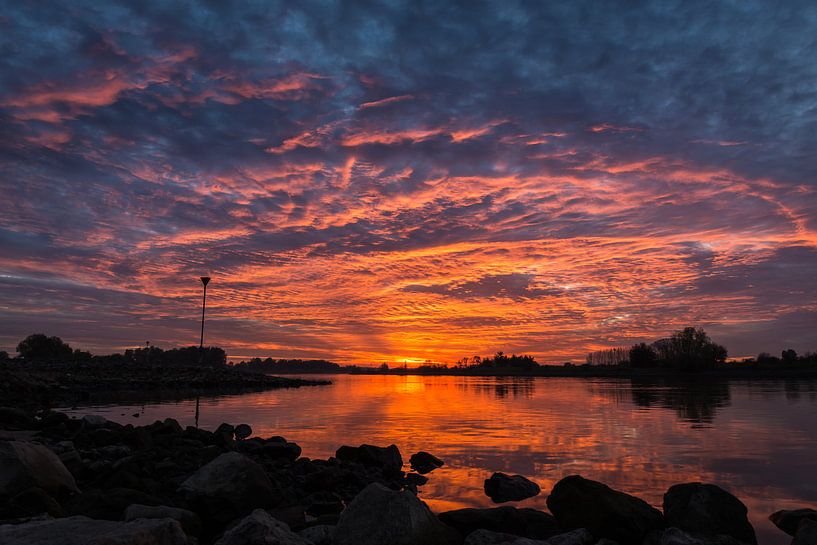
756,439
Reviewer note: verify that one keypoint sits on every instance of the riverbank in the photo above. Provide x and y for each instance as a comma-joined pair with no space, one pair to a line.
581,371
164,484
52,385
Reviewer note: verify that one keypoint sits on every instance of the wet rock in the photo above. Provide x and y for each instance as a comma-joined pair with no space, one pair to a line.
259,528
709,510
379,515
107,504
25,465
388,459
190,522
577,502
789,520
242,431
422,462
32,502
85,531
528,523
320,534
501,488
228,487
806,533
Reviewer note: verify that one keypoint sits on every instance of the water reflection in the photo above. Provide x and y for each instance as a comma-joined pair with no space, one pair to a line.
756,439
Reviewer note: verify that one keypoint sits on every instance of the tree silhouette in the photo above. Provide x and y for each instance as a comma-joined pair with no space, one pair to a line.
42,347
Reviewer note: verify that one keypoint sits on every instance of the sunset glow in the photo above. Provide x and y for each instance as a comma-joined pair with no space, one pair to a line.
390,188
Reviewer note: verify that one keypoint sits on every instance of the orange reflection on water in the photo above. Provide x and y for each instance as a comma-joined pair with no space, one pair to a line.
755,439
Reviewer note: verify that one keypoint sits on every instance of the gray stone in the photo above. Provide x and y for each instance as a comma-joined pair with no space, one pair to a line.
85,531
489,537
320,534
388,459
25,465
577,502
579,536
709,510
94,421
789,520
379,515
242,431
676,536
423,462
524,522
259,528
230,486
501,488
191,524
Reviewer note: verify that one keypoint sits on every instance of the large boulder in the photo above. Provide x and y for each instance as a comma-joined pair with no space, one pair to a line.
388,459
789,520
521,522
709,510
259,528
501,488
806,533
190,522
577,502
676,536
228,487
85,531
380,516
423,462
24,465
580,536
488,537
320,534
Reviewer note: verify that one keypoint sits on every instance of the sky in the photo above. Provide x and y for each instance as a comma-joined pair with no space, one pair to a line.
403,181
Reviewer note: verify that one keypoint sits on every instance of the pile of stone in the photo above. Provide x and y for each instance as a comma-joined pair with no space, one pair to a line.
67,481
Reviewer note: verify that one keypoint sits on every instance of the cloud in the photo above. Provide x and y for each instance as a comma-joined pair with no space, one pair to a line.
391,187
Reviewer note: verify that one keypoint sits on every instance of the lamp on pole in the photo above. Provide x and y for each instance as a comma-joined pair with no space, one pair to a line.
204,280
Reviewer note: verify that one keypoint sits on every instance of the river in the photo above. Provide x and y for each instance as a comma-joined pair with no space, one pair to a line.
757,439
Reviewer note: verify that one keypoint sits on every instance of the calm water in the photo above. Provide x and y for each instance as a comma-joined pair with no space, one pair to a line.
756,439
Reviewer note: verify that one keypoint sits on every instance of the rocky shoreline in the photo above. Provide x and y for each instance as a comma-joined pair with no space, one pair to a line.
69,481
52,385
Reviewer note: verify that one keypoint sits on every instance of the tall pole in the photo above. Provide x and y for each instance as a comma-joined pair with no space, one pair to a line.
204,280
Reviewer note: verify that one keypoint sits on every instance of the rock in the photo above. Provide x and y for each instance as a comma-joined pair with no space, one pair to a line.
85,531
25,465
32,502
789,520
577,502
579,536
709,510
230,486
15,419
379,515
190,522
285,449
94,421
320,534
242,431
422,462
259,528
806,533
676,536
415,479
501,488
387,459
109,504
489,537
520,522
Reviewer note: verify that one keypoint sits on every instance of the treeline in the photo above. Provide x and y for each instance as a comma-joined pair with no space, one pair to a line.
40,348
270,365
688,349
